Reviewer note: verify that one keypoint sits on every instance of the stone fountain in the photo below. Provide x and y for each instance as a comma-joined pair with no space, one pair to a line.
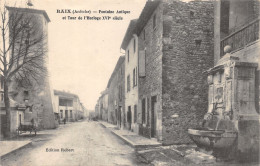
230,128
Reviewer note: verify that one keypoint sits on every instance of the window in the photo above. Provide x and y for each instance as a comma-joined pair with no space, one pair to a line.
120,92
31,108
144,34
129,115
61,114
154,21
65,102
2,83
135,113
141,63
134,77
26,95
148,111
127,55
134,45
143,111
198,43
191,14
2,96
128,83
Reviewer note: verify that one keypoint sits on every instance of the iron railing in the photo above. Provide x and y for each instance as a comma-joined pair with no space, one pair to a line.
242,37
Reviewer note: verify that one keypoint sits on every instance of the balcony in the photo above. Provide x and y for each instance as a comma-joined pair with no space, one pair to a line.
242,37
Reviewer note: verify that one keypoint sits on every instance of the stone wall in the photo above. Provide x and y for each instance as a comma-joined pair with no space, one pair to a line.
187,53
151,84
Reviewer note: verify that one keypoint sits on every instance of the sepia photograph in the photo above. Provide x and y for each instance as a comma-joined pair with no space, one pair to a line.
129,83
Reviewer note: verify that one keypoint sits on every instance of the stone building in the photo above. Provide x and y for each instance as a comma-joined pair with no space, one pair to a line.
103,106
236,29
38,96
85,111
68,106
116,87
79,111
130,45
175,45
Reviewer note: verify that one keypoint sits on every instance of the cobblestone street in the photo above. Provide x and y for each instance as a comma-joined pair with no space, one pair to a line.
83,143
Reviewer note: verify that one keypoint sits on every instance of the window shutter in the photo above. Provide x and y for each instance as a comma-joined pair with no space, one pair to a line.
141,63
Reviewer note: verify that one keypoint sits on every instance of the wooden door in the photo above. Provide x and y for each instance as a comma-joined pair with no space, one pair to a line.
153,116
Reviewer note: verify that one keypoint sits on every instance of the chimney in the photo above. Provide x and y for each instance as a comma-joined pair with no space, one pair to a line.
29,3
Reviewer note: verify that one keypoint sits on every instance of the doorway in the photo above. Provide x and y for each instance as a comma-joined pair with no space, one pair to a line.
20,119
119,116
71,116
129,117
66,115
153,116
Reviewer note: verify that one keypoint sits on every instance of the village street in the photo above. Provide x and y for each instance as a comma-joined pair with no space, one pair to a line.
89,143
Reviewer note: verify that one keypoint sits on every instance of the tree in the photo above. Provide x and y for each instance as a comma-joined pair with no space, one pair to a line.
22,52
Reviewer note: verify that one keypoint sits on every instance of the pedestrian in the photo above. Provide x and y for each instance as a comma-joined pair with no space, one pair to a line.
64,120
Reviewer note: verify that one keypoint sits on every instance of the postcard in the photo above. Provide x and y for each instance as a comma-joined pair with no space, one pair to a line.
129,82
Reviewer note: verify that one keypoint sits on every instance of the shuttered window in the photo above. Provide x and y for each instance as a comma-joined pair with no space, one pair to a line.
141,65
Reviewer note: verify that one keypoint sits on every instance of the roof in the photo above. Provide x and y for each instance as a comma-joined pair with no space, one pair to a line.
65,94
28,10
136,26
129,33
144,17
119,62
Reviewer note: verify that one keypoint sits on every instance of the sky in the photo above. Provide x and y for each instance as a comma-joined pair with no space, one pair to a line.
83,53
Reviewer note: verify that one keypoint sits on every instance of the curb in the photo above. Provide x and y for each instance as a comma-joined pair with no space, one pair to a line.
102,125
127,141
132,144
119,136
15,150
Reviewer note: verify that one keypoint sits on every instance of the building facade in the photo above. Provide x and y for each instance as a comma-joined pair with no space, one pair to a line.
130,45
103,106
175,48
37,95
116,102
68,106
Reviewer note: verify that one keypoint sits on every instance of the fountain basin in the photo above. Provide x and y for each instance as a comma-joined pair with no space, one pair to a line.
213,139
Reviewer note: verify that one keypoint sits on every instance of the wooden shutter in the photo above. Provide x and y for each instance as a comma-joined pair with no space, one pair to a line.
141,68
